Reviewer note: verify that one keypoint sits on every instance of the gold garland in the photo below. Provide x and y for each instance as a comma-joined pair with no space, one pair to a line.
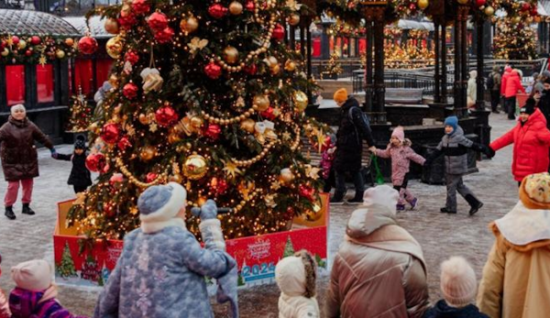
260,156
243,202
226,122
134,180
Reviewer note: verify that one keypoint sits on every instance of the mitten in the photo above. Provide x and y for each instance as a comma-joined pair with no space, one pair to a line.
210,226
489,152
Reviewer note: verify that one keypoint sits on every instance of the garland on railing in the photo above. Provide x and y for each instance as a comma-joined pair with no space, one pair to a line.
35,49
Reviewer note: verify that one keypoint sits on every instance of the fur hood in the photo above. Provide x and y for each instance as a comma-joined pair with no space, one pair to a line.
296,275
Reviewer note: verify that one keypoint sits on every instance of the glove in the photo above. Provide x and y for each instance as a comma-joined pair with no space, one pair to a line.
52,150
490,152
209,210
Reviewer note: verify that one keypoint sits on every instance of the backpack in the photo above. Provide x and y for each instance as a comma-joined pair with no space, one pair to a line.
490,81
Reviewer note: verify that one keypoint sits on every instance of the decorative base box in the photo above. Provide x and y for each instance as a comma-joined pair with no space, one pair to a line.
256,256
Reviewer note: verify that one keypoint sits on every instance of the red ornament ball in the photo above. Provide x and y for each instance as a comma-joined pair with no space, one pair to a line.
480,3
250,6
157,21
166,116
534,11
150,177
164,36
289,214
251,69
35,40
95,162
15,40
213,131
268,113
278,33
28,52
306,192
110,133
131,57
124,143
140,7
127,22
412,7
87,45
213,70
222,186
130,90
217,11
525,7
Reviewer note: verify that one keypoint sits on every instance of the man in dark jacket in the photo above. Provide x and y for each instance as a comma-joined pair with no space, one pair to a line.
353,129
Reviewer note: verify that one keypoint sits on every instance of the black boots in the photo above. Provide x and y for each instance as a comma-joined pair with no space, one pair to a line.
27,209
445,210
9,213
474,203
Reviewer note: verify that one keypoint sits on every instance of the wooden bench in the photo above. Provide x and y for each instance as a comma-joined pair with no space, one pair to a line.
404,96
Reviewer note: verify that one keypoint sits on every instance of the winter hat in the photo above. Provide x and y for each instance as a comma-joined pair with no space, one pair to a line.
458,282
161,202
473,74
35,275
296,275
80,143
534,191
452,121
399,133
340,95
17,107
381,195
529,106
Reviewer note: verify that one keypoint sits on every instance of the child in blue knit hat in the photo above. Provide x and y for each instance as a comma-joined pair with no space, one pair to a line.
454,146
161,271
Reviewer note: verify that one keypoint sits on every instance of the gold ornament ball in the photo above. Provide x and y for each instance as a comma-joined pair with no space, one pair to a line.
143,119
275,69
231,55
489,11
5,52
516,19
423,4
290,66
147,153
235,8
69,42
294,19
111,26
248,125
189,25
195,167
60,54
300,101
114,47
262,102
22,44
286,175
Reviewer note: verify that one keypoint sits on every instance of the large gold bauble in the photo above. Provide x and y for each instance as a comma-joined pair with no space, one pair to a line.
290,66
489,11
286,175
60,54
5,52
143,119
147,153
423,4
300,101
189,25
262,102
294,19
22,45
463,1
276,69
195,167
231,55
114,47
235,8
111,26
248,125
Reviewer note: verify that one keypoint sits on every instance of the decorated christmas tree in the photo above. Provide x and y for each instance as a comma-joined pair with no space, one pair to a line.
333,67
66,267
81,113
514,40
206,94
289,248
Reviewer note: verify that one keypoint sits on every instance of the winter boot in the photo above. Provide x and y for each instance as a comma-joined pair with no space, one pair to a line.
27,209
400,207
413,203
447,210
356,200
474,203
9,213
337,198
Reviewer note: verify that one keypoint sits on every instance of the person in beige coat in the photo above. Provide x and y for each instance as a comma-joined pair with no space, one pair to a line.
516,277
379,270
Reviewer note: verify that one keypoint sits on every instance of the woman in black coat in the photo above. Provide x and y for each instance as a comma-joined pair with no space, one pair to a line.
80,177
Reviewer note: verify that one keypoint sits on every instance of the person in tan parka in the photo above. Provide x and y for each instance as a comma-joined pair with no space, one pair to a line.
516,277
379,270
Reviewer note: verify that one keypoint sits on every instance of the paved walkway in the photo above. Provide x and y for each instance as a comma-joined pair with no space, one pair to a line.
440,235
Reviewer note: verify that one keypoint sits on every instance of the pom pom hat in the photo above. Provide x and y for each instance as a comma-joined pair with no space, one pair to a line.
458,282
340,95
399,133
159,204
33,275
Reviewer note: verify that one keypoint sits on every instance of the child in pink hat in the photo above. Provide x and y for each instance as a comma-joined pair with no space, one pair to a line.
401,154
4,306
34,294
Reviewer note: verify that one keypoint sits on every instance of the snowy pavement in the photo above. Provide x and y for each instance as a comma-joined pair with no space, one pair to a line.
440,235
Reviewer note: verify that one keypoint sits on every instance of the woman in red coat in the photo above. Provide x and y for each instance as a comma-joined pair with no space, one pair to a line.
512,85
531,141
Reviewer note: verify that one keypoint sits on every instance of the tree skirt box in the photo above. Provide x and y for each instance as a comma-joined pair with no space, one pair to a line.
256,256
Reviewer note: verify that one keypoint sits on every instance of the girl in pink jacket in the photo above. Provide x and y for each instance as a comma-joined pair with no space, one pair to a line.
400,151
4,306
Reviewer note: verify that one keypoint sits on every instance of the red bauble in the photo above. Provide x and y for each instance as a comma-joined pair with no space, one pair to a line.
412,7
140,7
35,40
151,176
525,7
15,40
130,90
250,6
251,69
87,45
157,21
268,113
127,22
131,57
95,162
480,3
306,192
110,133
213,70
213,131
222,186
124,143
28,52
278,33
534,11
217,11
289,214
164,36
166,116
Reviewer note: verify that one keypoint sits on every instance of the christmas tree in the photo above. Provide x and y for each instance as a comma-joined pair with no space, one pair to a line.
515,40
208,95
289,248
334,67
66,267
90,270
80,113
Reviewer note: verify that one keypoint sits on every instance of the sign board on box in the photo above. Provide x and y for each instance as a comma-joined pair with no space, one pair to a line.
256,256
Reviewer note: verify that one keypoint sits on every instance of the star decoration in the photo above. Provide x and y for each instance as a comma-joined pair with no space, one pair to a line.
42,60
287,136
312,172
153,127
276,185
246,188
130,130
270,200
321,137
231,169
